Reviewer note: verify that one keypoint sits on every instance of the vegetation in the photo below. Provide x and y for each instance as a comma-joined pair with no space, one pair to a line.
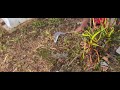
32,48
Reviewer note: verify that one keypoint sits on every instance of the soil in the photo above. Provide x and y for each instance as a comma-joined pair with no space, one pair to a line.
31,48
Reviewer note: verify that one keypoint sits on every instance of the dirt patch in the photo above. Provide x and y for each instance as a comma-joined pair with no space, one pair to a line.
31,48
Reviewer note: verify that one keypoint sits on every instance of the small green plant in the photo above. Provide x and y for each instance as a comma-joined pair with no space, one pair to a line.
15,39
2,47
54,21
38,24
95,40
44,52
1,33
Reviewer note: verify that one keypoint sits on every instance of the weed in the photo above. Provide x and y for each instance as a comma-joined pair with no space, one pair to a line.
54,21
15,39
1,33
3,47
44,52
93,42
38,24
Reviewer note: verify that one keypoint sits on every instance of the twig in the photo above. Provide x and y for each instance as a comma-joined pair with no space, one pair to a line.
90,59
4,61
73,60
97,54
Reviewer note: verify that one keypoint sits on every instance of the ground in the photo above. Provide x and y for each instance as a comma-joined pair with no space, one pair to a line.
32,49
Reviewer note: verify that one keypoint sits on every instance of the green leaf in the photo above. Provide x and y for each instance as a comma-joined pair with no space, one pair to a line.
89,33
85,35
83,55
99,37
107,41
93,37
111,32
94,44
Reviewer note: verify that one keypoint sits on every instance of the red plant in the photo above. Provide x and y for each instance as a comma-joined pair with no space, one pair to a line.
100,21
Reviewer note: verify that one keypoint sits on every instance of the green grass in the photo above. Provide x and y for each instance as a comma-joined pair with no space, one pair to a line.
1,33
3,47
15,39
54,21
49,21
39,23
44,52
69,43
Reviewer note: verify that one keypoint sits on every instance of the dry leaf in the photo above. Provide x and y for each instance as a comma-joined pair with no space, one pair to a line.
108,55
106,59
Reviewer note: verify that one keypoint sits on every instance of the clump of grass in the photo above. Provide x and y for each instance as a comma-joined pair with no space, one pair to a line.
23,31
42,23
38,24
15,39
54,21
44,52
47,33
71,45
3,47
116,38
1,33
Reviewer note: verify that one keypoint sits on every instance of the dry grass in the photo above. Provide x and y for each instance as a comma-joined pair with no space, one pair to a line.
31,48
